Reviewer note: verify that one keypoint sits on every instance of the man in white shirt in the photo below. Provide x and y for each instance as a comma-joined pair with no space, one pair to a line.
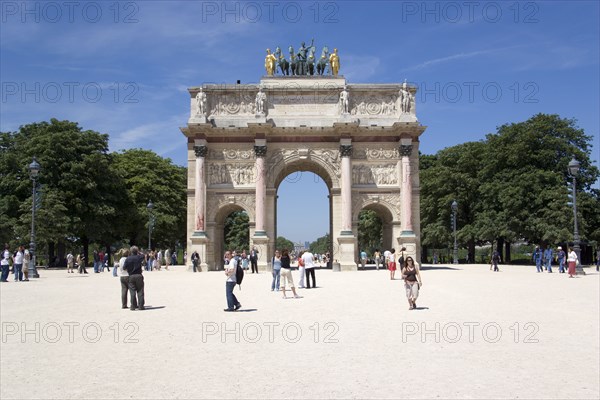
309,265
5,264
232,302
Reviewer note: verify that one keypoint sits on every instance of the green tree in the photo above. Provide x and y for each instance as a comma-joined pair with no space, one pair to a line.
370,231
525,176
321,245
237,231
76,176
147,176
283,243
452,175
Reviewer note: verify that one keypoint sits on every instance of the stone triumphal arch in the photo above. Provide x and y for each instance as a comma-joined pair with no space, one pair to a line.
361,139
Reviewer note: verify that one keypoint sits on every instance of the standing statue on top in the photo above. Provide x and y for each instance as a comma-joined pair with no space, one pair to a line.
260,100
270,63
334,62
302,58
201,103
344,101
405,98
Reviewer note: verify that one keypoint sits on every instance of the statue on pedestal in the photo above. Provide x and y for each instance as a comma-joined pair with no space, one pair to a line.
334,62
344,101
260,101
270,62
405,98
201,103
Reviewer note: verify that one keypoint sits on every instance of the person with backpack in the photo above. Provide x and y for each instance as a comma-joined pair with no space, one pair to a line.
231,272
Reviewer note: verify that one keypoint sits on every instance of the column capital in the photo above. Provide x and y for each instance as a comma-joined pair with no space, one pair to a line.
405,150
260,151
346,150
201,150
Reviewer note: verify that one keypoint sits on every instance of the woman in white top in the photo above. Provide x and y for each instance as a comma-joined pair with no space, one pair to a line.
392,263
572,262
124,277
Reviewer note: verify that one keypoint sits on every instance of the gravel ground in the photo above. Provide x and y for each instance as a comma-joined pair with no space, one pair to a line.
475,334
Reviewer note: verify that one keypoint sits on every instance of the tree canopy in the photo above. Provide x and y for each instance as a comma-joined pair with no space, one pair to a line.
88,195
511,186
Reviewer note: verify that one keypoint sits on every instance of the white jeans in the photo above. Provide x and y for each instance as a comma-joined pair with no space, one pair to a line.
301,282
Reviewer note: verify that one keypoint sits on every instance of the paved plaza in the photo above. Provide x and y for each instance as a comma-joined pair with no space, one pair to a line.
476,334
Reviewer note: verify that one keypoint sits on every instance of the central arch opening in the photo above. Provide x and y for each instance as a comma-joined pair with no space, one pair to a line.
303,211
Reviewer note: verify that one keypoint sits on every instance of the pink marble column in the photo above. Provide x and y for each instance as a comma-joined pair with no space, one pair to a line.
200,187
346,153
406,188
260,150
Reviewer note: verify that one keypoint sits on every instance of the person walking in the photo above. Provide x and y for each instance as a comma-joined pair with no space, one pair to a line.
158,260
5,264
18,264
26,261
276,265
392,263
377,257
286,274
195,261
230,268
167,258
309,265
301,270
245,260
548,259
123,277
401,259
537,258
133,266
254,259
81,263
597,259
572,261
560,256
495,260
96,258
363,259
412,282
70,262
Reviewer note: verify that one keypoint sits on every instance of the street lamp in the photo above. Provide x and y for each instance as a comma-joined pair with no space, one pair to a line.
454,210
150,206
34,170
574,171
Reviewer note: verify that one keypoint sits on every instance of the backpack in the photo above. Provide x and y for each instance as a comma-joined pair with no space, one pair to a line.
239,272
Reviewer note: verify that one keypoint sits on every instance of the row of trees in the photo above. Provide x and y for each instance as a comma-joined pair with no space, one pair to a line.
88,194
511,187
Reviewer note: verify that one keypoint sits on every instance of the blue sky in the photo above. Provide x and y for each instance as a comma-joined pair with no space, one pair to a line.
123,68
